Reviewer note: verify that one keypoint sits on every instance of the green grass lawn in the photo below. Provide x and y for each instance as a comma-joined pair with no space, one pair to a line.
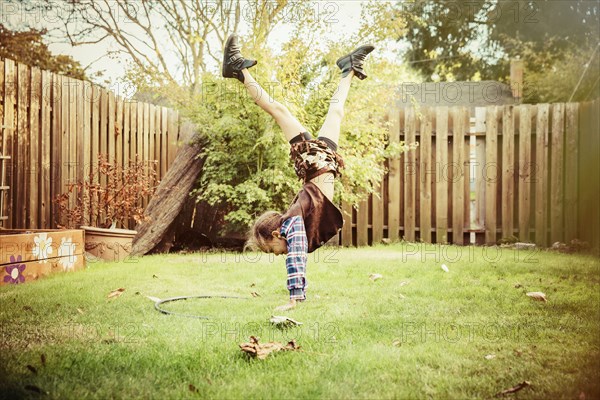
418,332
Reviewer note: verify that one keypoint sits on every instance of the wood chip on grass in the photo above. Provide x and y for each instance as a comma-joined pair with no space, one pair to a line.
115,293
261,351
539,296
514,389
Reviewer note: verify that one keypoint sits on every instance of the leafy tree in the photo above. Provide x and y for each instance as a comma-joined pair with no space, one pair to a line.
450,40
28,47
247,168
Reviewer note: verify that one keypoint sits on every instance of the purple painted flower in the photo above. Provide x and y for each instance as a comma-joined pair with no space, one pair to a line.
15,271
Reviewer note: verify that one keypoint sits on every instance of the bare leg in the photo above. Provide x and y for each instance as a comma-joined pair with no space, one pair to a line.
335,114
331,130
290,126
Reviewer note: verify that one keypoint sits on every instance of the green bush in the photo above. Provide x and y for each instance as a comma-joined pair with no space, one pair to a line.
247,168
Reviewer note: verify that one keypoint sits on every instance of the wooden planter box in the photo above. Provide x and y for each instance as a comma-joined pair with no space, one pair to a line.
108,244
28,254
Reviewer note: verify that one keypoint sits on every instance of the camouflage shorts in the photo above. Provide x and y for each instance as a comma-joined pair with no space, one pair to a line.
313,157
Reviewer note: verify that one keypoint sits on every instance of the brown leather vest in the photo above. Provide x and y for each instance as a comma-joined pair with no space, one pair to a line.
322,219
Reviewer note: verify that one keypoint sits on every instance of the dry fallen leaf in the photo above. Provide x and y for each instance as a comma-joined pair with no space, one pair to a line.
396,343
116,293
490,356
537,296
374,277
261,351
403,283
513,389
254,294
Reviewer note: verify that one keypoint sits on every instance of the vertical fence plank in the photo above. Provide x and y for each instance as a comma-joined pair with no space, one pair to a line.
491,173
479,167
377,217
94,143
112,142
103,132
56,152
425,176
73,138
362,222
164,119
151,139
508,171
140,132
524,171
86,136
571,171
458,178
402,174
133,124
557,174
126,131
146,148
81,145
410,173
9,138
22,161
151,133
34,168
156,141
467,170
347,228
64,133
45,159
441,186
127,142
394,180
171,137
541,175
119,130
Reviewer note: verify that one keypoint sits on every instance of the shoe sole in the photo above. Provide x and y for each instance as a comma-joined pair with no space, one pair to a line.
364,46
229,40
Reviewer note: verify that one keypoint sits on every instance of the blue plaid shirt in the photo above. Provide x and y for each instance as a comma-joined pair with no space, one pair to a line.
294,233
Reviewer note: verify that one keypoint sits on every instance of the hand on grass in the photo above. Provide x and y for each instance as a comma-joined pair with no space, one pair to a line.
288,306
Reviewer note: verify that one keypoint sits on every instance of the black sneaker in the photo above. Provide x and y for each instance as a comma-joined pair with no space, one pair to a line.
354,61
233,62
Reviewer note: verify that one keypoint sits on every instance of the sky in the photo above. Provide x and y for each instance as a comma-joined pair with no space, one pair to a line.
345,14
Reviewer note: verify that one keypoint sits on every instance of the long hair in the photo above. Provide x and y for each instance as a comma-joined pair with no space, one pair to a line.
261,231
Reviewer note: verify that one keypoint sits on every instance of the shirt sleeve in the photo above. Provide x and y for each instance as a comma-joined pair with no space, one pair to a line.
297,245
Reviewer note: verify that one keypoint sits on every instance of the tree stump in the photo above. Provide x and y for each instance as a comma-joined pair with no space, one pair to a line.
170,196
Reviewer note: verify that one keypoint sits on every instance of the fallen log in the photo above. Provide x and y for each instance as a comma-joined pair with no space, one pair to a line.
170,196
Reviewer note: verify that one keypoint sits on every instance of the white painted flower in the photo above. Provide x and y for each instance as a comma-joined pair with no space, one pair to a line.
66,252
42,248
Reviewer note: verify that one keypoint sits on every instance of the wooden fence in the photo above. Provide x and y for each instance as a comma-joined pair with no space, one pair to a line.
529,171
54,128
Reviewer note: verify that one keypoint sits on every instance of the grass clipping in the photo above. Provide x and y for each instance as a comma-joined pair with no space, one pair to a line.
261,351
